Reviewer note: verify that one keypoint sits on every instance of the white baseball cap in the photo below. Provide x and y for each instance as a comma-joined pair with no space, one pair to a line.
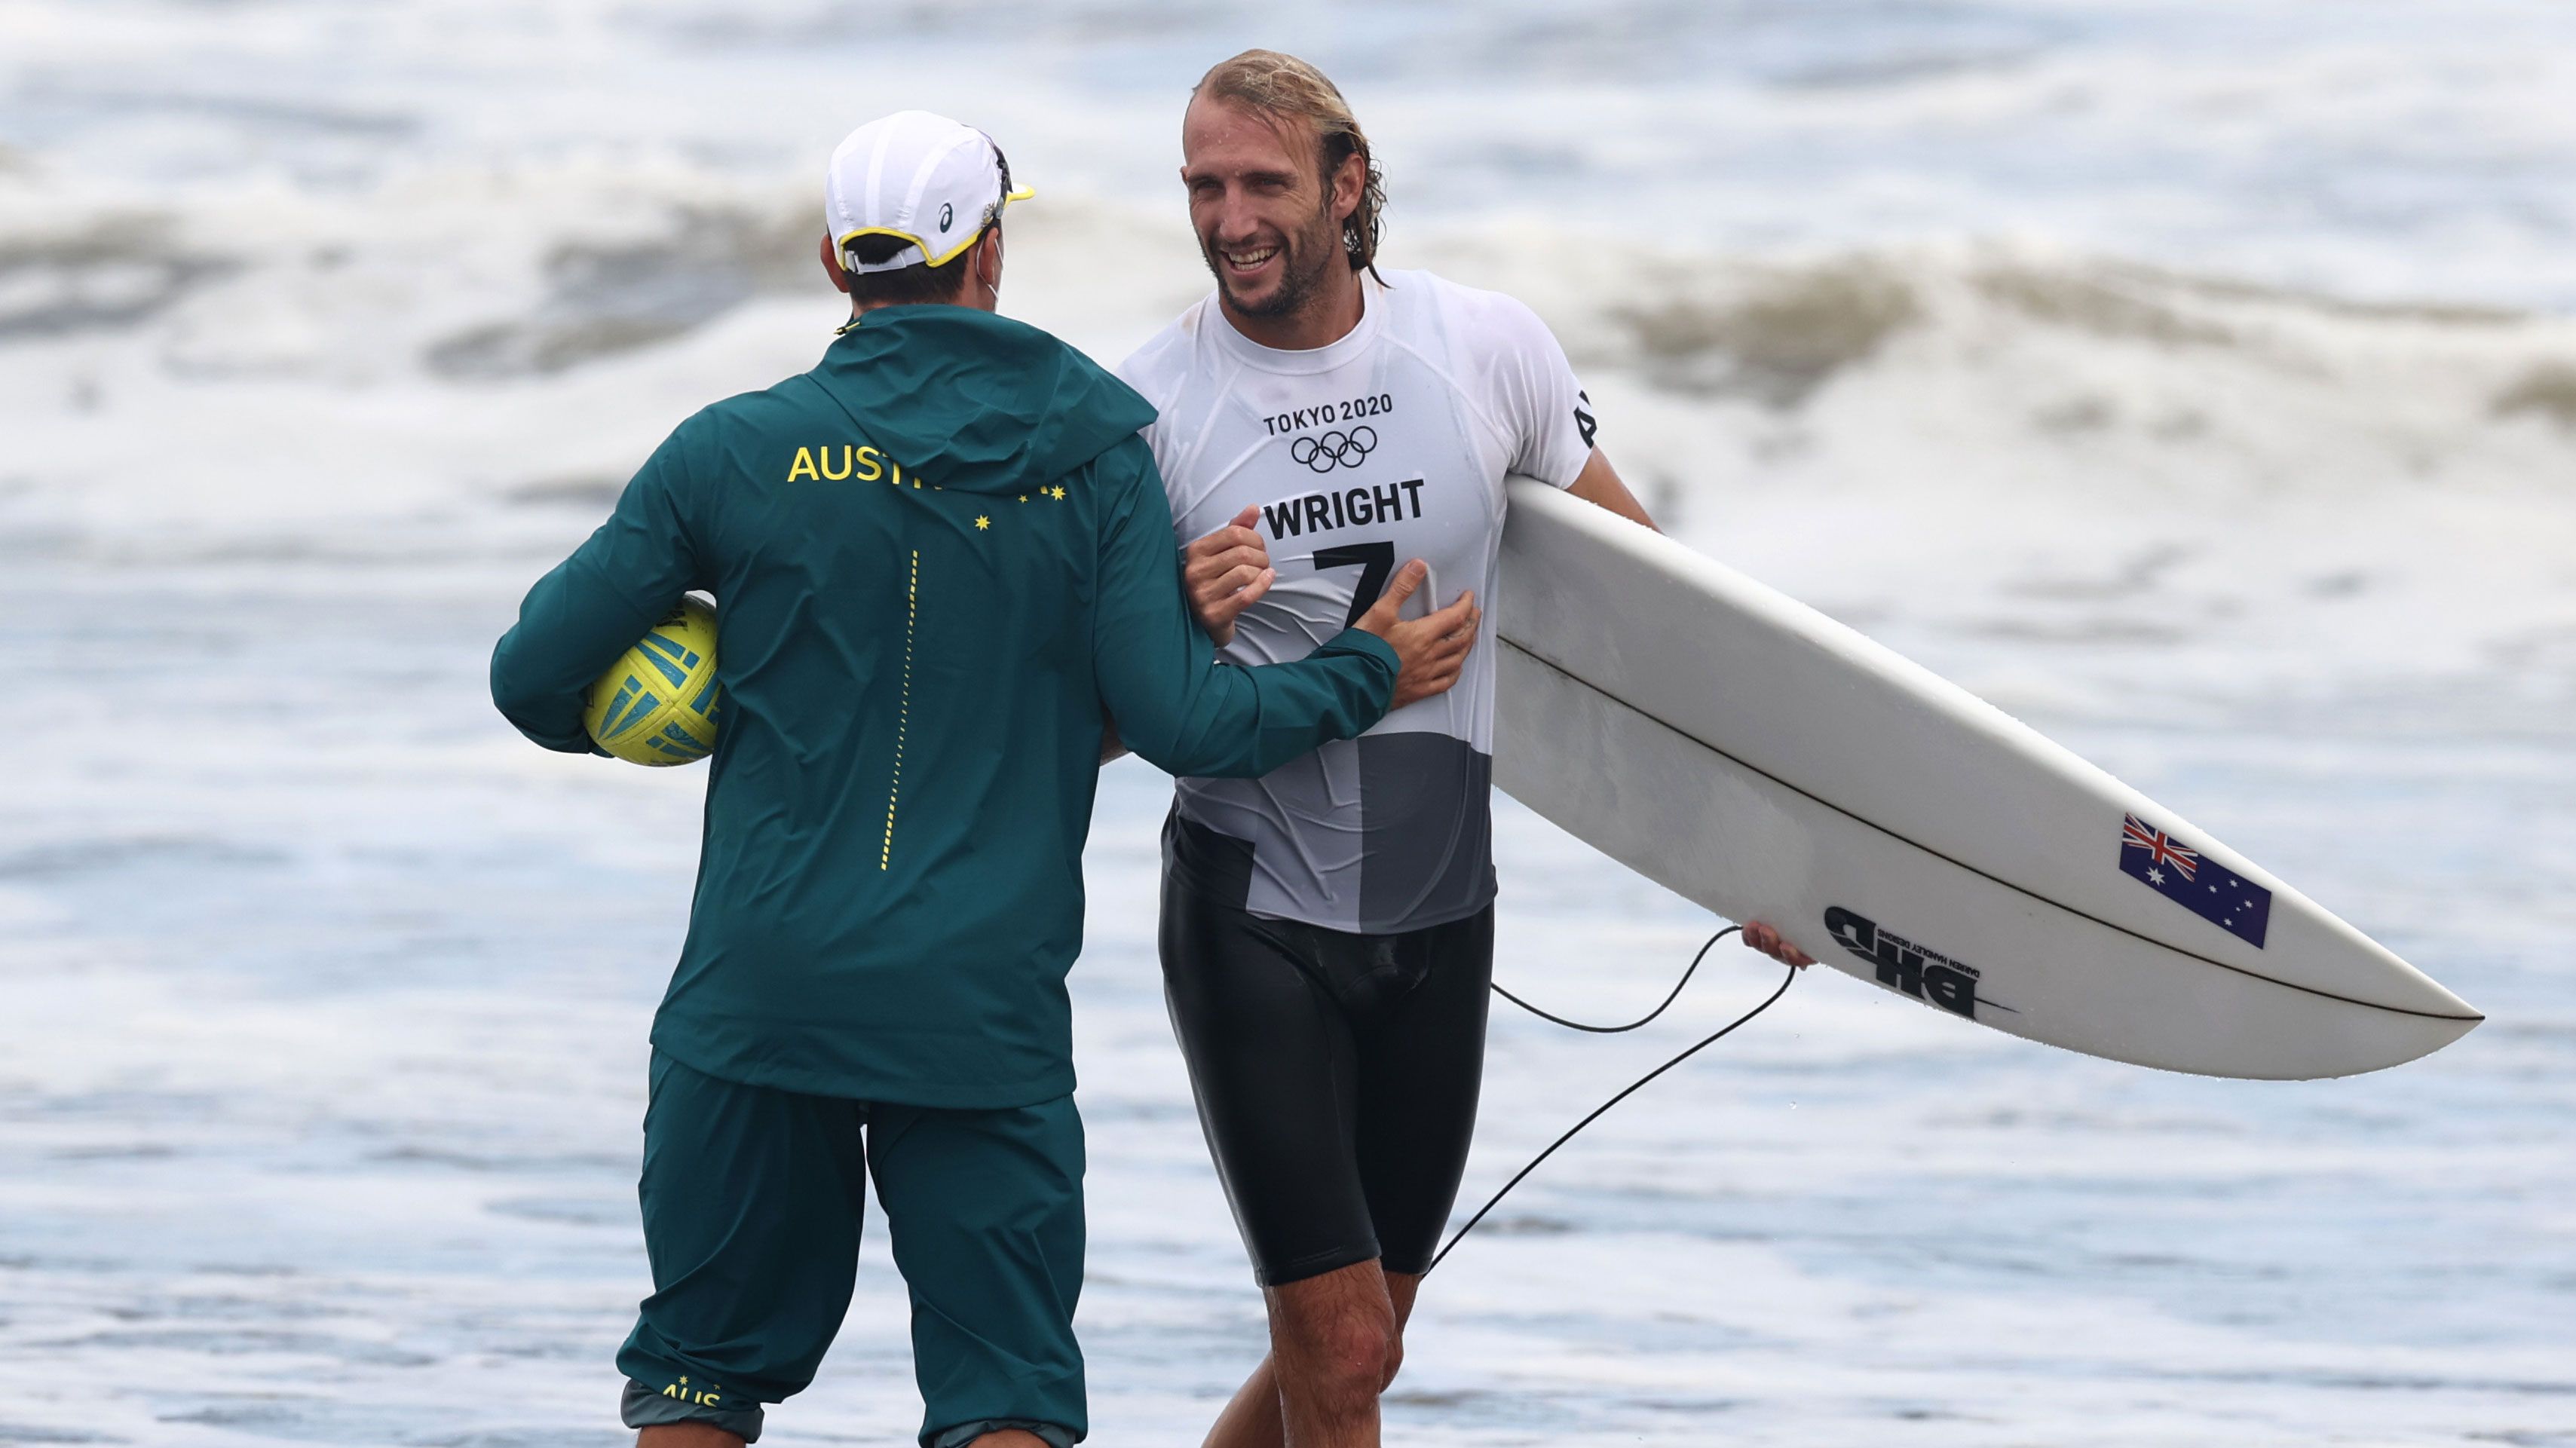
934,182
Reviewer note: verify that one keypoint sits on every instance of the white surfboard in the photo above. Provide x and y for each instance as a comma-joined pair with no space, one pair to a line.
1762,760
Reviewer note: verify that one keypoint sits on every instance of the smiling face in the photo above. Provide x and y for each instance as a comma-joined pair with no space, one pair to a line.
1267,225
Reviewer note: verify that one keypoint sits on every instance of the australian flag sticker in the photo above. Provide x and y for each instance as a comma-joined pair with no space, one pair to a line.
2208,889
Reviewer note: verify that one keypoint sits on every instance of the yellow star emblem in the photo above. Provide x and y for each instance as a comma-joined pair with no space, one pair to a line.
1059,492
982,522
1024,497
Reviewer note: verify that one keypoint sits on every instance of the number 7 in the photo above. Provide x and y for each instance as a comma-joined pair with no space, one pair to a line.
1374,561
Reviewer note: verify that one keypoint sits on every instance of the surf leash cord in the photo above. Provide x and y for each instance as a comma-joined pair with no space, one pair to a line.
1641,1020
1634,1087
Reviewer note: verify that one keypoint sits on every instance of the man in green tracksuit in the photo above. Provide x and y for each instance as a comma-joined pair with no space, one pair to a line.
940,557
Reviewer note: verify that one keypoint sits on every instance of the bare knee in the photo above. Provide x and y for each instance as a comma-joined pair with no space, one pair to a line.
1362,1347
1336,1340
1349,1361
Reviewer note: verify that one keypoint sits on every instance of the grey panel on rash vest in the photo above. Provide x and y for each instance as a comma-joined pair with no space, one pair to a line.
1417,879
1392,832
1391,443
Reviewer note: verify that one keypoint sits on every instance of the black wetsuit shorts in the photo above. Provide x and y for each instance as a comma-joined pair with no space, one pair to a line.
1336,1075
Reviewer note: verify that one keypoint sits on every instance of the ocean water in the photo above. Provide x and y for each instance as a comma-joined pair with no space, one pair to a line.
2196,380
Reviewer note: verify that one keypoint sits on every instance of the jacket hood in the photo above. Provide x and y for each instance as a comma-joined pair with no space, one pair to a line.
974,401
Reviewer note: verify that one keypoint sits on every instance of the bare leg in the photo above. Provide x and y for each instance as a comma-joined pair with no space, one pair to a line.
1257,1415
686,1435
707,1435
1251,1416
1329,1341
1401,1286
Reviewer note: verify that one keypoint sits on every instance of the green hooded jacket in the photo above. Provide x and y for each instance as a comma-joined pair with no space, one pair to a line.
937,558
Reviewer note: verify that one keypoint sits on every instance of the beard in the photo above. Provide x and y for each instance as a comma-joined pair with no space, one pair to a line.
1302,259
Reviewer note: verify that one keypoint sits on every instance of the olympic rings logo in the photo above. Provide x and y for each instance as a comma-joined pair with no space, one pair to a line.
1335,449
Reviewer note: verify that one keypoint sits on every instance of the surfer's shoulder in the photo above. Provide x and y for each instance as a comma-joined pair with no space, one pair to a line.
1467,311
1480,340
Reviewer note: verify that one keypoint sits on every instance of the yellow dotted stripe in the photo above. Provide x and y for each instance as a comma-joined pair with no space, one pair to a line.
903,714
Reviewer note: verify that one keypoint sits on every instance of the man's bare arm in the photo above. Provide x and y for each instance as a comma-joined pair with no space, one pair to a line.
1599,485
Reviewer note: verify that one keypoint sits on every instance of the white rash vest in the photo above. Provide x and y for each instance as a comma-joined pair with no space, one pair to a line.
1388,445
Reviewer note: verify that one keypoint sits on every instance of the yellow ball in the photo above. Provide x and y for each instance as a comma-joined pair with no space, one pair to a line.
659,703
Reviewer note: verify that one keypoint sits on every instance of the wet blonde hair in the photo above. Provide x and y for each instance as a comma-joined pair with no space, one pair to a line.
1281,86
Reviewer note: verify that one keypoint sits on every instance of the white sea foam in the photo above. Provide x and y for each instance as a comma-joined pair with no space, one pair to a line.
2096,456
2195,379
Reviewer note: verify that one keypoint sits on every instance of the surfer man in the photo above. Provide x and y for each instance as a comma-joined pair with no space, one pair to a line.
1327,928
939,554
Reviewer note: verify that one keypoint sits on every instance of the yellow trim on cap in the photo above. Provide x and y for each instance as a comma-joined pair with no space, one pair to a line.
842,243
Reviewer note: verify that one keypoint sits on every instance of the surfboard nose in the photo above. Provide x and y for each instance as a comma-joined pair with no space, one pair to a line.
2400,1039
2399,986
2454,1006
2409,1015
